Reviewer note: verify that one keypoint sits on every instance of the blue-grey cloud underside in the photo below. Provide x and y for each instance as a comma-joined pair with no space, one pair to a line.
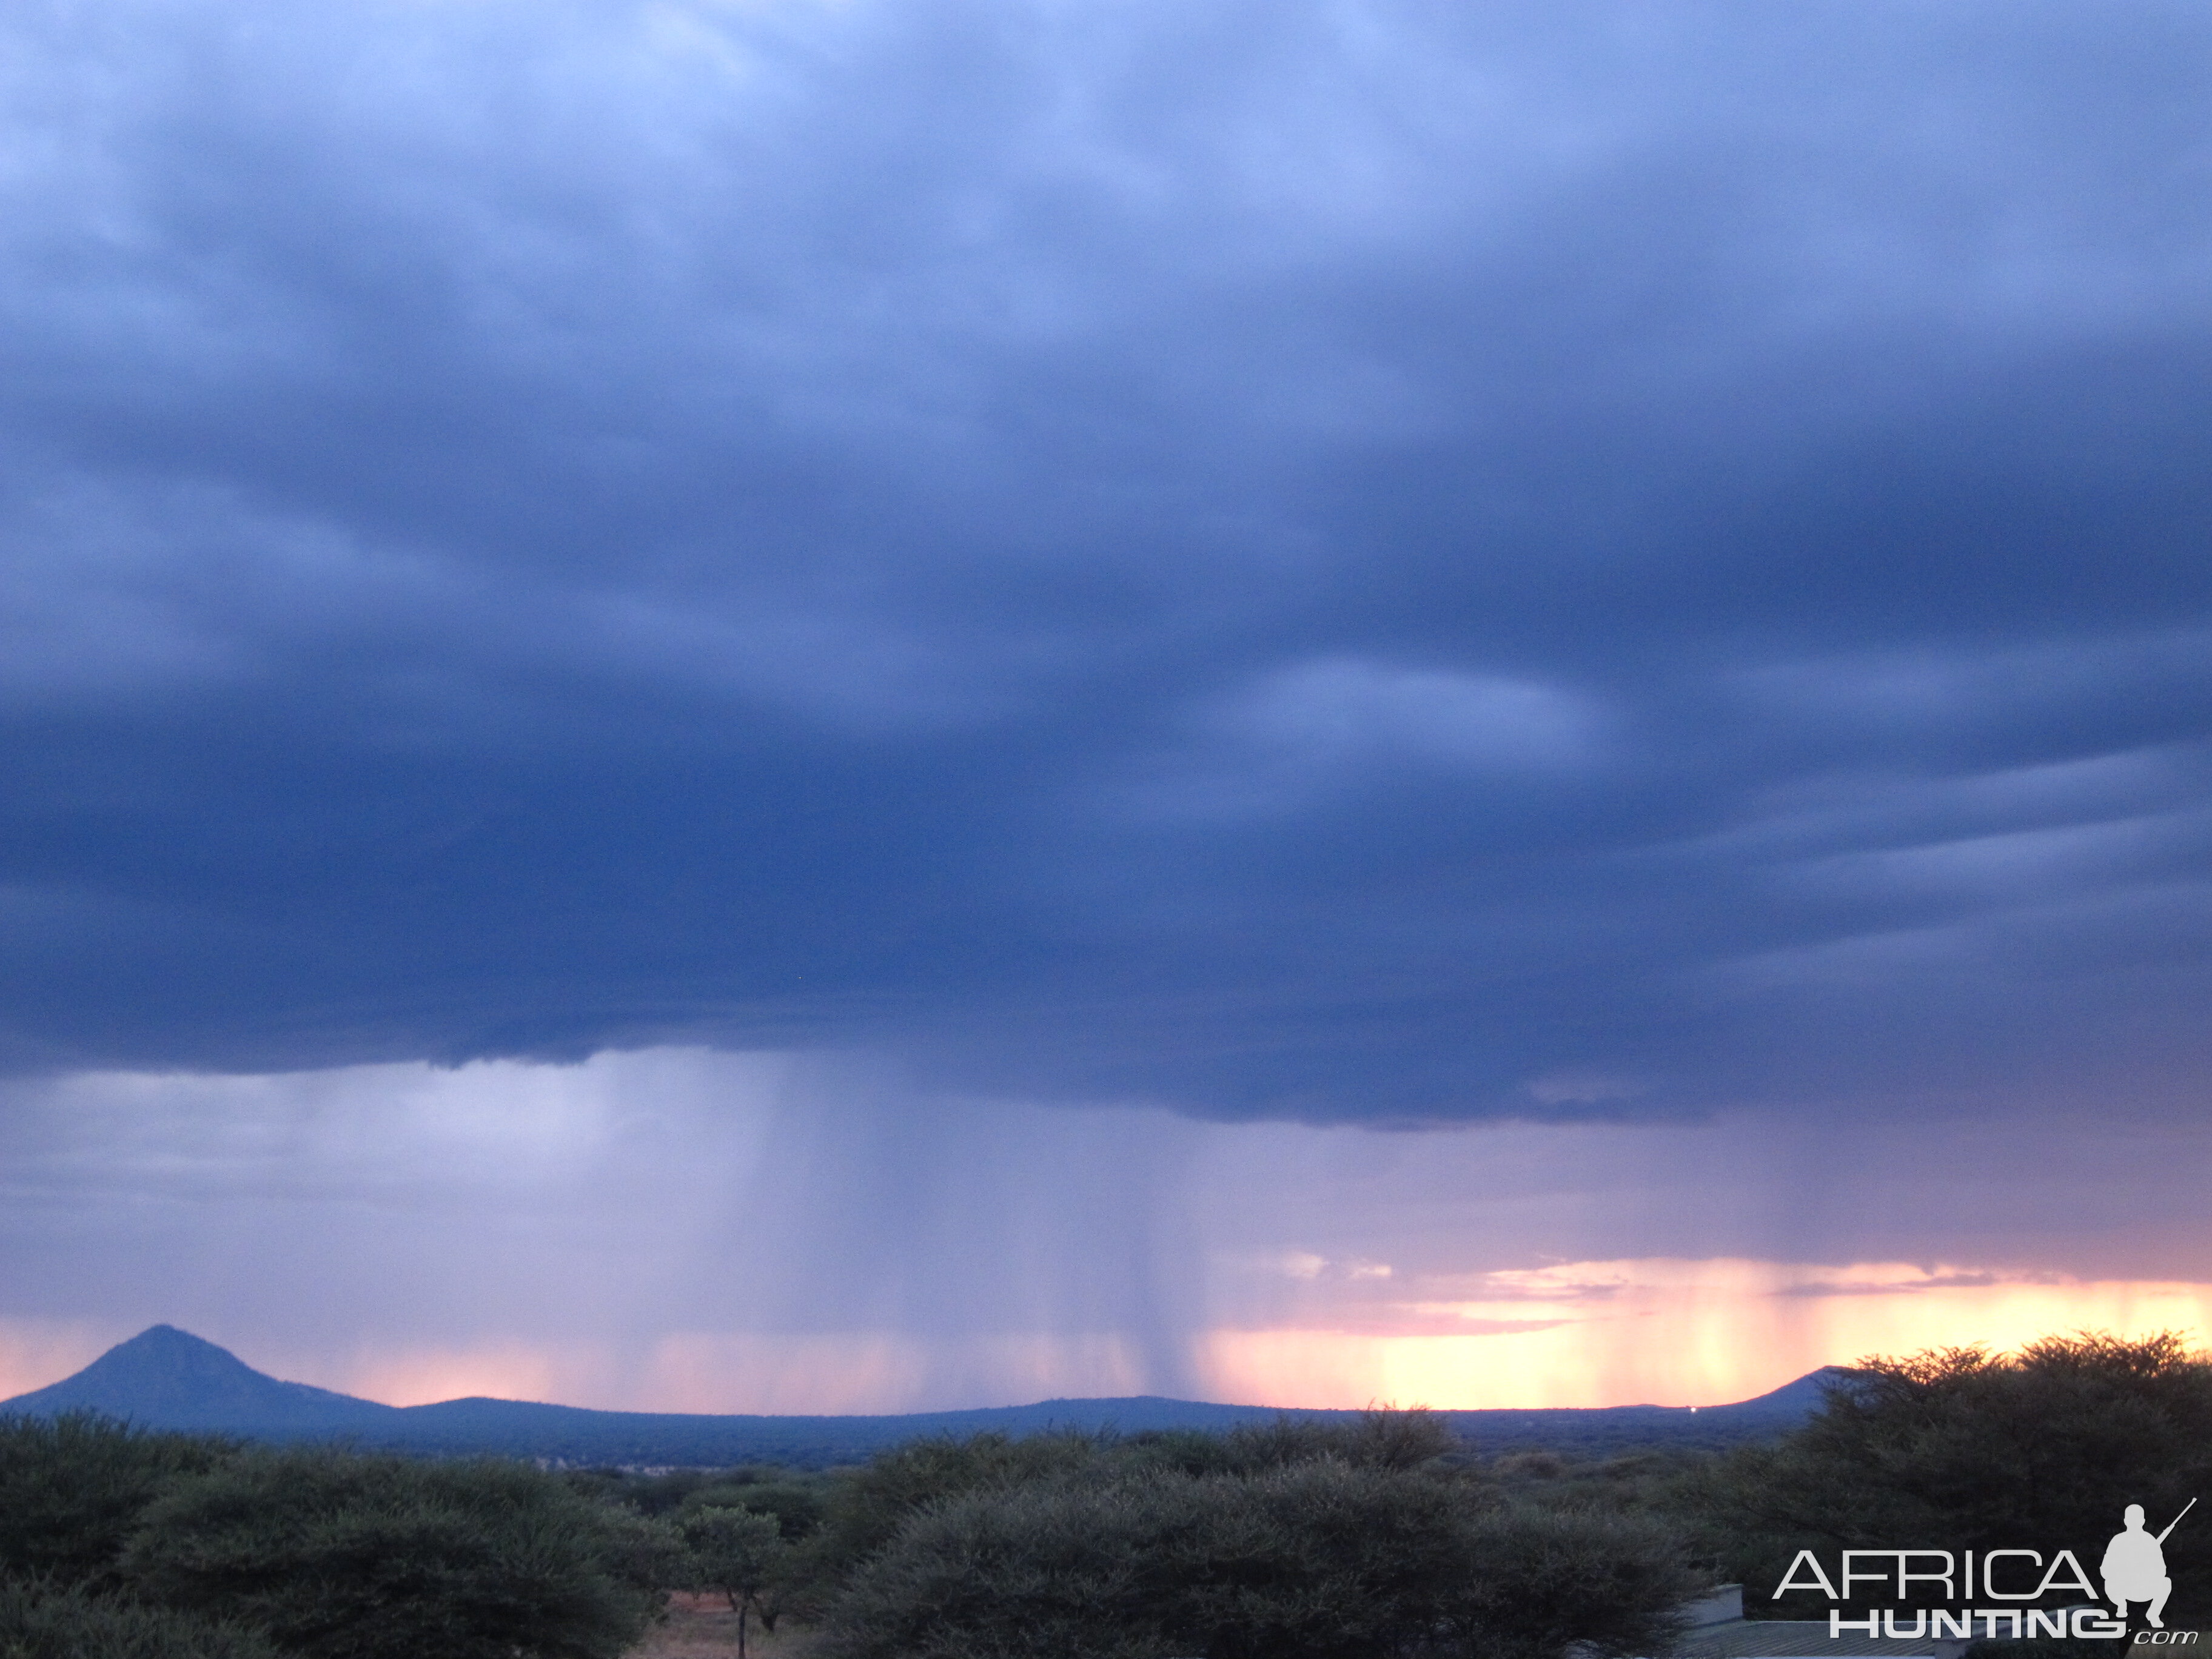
1379,562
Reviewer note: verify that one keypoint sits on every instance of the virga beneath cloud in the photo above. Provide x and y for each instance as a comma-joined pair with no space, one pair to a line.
682,1230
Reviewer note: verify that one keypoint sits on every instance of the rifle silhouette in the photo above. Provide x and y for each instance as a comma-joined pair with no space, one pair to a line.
2176,1522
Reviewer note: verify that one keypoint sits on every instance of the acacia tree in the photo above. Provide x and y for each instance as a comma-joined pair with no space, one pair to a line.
73,1487
339,1556
739,1552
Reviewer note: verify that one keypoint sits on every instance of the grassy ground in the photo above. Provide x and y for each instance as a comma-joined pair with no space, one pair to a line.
703,1628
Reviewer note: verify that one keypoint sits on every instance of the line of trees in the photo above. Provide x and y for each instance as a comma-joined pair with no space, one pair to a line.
1383,1539
1296,1542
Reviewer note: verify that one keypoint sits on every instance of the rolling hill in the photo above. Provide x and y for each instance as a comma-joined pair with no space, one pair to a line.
167,1378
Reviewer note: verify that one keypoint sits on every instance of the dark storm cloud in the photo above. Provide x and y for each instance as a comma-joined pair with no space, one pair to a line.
1374,563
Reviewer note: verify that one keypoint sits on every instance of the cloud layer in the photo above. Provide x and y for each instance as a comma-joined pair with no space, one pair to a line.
1376,562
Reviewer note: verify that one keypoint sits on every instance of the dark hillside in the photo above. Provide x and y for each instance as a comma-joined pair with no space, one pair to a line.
166,1378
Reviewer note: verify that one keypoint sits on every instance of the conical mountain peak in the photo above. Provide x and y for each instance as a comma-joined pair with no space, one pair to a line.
164,1377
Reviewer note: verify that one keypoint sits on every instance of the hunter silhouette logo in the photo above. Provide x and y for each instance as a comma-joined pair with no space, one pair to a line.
2134,1566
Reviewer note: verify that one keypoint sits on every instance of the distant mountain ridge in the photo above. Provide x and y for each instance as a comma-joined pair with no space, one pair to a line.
166,1378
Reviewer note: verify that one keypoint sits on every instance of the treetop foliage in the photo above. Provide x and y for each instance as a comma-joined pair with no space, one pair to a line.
1318,1559
73,1487
42,1620
1961,1448
346,1557
865,1507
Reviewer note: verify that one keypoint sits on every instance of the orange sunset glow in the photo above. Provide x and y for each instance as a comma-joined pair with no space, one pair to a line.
1656,1332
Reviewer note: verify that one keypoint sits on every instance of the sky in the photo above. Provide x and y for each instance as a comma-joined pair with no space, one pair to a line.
848,705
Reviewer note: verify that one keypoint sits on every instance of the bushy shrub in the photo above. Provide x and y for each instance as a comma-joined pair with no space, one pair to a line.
39,1619
866,1506
344,1557
72,1487
1314,1561
644,1554
1956,1449
1381,1439
993,1575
